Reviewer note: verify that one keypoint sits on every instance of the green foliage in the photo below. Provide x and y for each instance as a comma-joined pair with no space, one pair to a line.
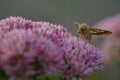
48,77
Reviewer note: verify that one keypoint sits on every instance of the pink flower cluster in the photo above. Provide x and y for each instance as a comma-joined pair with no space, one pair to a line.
29,47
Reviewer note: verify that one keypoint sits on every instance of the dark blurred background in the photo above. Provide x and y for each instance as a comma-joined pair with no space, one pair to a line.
66,13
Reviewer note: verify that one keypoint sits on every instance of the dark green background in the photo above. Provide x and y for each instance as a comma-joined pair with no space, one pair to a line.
64,12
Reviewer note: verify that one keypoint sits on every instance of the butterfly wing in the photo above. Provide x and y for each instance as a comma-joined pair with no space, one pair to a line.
95,31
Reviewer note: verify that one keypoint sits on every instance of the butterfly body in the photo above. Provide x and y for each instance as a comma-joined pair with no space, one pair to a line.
85,32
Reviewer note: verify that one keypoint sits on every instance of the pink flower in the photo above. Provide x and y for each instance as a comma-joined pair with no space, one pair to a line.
28,48
111,45
23,53
81,58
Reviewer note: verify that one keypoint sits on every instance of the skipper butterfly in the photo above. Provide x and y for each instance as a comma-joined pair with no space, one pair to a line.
85,32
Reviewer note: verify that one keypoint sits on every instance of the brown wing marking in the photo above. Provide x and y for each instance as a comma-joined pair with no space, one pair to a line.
95,31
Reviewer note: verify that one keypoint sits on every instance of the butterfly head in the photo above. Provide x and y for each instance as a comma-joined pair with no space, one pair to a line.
82,27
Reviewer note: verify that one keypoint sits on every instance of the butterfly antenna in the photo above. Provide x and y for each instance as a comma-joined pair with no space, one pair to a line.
77,24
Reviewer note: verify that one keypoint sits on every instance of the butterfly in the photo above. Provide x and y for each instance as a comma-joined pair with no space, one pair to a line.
85,32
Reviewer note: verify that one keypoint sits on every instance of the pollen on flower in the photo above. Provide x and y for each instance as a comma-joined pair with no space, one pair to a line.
31,47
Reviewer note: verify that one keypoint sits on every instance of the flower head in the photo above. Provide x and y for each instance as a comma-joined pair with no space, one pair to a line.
28,47
111,45
23,53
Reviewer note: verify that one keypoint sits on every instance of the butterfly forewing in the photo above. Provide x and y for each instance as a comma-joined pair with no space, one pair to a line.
95,31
